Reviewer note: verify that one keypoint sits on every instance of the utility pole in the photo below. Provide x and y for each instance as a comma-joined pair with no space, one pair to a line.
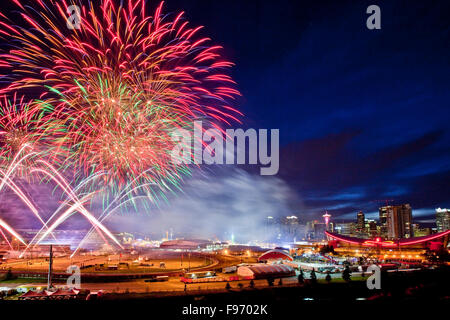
50,265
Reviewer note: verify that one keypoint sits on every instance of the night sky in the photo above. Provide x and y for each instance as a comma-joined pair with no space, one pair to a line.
362,113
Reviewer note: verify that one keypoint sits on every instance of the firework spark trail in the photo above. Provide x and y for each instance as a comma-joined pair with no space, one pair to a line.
117,199
66,214
14,164
7,241
7,180
78,205
63,204
21,195
104,216
19,131
5,226
33,241
66,188
25,199
101,220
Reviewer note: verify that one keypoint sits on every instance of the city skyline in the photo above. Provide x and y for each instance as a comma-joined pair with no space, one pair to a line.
393,222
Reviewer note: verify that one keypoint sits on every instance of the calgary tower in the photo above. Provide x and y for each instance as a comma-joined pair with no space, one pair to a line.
326,216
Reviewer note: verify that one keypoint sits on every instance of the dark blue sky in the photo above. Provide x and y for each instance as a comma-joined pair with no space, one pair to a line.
362,113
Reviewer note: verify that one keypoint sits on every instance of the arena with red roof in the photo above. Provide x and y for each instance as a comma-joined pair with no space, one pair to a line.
424,241
416,248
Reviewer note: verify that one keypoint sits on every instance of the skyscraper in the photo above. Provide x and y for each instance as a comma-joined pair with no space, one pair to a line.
442,219
346,229
360,222
372,228
290,228
383,214
396,221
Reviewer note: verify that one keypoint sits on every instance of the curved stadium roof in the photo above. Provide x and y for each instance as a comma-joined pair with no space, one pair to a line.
275,254
394,243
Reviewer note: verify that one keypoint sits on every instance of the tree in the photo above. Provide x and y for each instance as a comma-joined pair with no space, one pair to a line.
313,276
228,286
301,277
328,277
9,275
280,283
346,274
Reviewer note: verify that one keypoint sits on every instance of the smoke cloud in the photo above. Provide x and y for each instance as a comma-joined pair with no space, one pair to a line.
215,206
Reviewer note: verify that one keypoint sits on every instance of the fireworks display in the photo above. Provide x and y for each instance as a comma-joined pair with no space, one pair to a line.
99,103
119,85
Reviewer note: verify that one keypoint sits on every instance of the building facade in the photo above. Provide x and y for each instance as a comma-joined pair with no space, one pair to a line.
372,228
360,223
442,219
346,229
396,221
383,217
